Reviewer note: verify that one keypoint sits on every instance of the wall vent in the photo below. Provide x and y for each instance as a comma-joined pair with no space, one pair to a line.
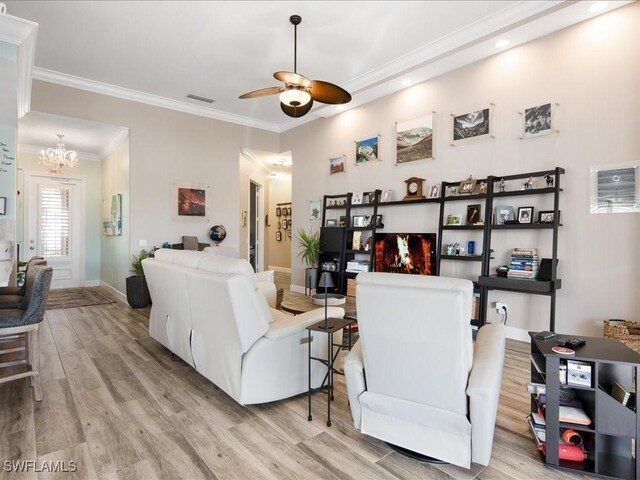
199,98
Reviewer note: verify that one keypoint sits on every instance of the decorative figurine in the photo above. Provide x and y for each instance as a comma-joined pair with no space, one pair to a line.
549,179
502,184
528,185
453,190
483,187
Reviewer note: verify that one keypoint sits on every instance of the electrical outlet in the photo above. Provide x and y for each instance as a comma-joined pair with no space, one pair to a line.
501,308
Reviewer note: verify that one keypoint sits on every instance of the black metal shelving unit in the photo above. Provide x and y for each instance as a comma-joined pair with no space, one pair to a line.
534,287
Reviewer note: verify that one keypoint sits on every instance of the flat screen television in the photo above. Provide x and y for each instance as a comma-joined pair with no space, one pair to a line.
413,253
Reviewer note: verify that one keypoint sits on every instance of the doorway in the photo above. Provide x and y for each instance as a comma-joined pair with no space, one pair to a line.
255,226
53,225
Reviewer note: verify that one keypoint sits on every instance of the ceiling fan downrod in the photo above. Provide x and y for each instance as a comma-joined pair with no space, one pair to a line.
295,21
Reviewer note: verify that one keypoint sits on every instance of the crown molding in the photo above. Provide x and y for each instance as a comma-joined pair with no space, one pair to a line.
117,139
72,81
35,150
15,30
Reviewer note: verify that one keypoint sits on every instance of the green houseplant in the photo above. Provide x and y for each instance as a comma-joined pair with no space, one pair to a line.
310,253
137,290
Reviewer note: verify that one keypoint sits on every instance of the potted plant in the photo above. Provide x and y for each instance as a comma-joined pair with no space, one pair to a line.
137,290
310,253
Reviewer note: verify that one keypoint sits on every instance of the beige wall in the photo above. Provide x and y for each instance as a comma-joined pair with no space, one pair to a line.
166,147
279,253
115,259
91,173
591,70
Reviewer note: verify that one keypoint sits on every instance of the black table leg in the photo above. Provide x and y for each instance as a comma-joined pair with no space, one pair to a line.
309,418
330,376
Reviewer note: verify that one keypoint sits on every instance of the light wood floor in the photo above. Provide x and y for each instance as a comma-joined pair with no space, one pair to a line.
116,403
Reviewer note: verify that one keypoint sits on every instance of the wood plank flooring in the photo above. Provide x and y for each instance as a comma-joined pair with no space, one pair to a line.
117,404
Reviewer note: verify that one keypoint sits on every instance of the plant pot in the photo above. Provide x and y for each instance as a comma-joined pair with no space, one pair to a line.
138,292
310,278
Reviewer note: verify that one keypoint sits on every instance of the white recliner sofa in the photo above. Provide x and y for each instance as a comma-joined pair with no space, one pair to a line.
208,310
415,379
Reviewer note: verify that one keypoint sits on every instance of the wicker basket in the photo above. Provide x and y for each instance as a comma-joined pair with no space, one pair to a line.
624,330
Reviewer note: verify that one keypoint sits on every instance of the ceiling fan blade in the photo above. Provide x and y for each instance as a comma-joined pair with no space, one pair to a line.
296,112
293,78
326,92
262,92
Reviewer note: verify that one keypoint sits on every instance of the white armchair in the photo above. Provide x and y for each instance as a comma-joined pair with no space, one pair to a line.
415,379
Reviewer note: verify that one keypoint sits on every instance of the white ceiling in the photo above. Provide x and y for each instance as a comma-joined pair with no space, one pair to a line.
159,51
91,140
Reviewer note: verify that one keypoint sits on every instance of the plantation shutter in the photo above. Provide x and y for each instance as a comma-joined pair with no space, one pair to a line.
55,221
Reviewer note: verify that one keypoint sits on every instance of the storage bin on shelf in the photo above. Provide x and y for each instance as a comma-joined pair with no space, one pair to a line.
626,331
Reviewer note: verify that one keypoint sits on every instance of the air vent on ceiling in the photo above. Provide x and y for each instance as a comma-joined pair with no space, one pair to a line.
199,98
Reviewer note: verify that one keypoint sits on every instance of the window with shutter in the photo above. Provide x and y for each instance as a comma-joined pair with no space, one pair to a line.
55,221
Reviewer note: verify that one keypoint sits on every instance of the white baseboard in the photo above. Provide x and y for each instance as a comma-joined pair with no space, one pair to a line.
117,293
515,333
279,269
299,289
92,283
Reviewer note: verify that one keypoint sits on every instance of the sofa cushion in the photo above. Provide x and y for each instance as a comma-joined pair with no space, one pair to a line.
223,251
186,258
232,266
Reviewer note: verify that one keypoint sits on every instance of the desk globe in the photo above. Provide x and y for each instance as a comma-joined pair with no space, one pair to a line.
217,233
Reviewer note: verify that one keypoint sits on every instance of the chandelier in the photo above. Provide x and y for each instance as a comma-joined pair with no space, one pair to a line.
58,158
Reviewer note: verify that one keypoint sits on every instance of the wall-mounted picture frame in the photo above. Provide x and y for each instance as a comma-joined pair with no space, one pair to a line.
367,150
331,222
537,121
470,125
278,236
3,205
370,223
279,225
359,221
547,216
285,224
504,213
467,186
434,191
414,140
111,215
315,209
356,198
474,214
615,188
289,233
190,202
525,214
337,164
454,219
278,212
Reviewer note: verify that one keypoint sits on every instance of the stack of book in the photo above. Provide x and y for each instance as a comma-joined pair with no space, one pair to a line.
524,263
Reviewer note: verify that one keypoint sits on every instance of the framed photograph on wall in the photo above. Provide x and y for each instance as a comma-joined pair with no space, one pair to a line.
367,150
537,121
315,209
337,164
615,188
547,216
470,125
278,235
3,205
285,224
111,216
278,212
414,140
190,202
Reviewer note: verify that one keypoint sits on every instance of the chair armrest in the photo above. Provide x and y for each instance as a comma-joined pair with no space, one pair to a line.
292,325
266,276
356,383
484,389
269,291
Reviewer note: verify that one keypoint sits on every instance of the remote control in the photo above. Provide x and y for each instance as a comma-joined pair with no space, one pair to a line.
571,342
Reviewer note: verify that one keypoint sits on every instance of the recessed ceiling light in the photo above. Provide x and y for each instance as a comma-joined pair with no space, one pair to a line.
406,82
200,99
273,175
340,108
502,43
597,7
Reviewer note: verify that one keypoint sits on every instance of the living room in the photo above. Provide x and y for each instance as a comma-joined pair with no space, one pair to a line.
584,64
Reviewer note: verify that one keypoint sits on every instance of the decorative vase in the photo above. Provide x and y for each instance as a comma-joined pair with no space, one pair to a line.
138,294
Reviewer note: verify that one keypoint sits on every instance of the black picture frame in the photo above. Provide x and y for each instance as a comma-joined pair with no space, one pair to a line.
525,215
278,212
474,213
285,224
278,236
331,222
3,205
359,221
369,223
547,216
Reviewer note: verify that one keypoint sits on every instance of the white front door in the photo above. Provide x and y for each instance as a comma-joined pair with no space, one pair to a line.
54,223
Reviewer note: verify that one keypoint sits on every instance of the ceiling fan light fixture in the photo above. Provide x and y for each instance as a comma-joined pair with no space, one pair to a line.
295,97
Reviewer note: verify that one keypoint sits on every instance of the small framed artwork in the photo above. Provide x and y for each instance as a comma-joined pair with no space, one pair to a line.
356,198
278,236
547,216
3,205
278,212
525,214
434,192
369,221
467,186
285,224
387,196
615,188
504,213
454,219
315,207
537,121
279,225
331,222
337,164
359,221
367,150
289,233
473,214
356,244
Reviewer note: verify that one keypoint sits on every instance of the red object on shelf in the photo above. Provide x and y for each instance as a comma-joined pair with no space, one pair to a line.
572,453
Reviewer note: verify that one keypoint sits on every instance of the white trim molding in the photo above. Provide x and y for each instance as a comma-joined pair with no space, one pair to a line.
279,269
91,283
117,139
117,293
